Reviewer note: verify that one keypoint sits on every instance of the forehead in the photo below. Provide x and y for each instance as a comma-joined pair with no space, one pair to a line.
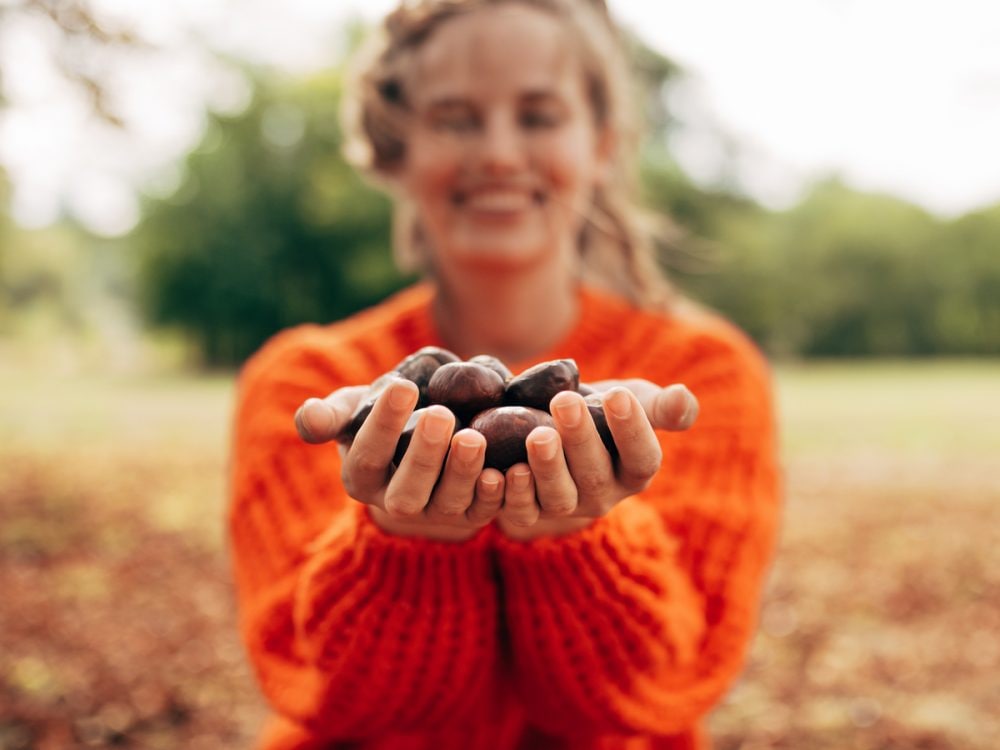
499,50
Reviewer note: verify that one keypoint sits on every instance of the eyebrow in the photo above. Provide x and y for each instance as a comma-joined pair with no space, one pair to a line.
531,96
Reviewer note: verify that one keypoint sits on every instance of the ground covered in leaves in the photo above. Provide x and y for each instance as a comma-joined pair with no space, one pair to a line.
880,628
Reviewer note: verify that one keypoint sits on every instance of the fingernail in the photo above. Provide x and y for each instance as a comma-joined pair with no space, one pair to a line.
620,404
546,447
436,426
467,449
490,484
569,412
316,418
400,397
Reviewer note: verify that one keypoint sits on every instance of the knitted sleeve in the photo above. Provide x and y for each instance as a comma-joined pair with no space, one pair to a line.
352,632
639,623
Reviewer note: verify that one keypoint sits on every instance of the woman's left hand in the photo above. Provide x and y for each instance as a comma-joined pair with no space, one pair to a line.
570,478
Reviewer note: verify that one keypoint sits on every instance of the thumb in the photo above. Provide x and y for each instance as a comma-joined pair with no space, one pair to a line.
320,420
675,408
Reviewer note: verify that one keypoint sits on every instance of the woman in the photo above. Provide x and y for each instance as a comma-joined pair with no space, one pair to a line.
575,600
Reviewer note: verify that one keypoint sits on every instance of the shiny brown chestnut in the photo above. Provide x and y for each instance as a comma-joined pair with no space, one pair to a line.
536,386
466,388
488,360
596,408
505,428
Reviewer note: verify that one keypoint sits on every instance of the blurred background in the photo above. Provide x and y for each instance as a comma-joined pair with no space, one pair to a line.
172,193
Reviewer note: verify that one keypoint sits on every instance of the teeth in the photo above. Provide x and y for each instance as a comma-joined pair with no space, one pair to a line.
506,200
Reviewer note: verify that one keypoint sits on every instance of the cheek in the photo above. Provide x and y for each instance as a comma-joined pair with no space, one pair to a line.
431,170
569,163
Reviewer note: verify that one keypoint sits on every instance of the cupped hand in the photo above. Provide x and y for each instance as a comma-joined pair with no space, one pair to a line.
570,478
439,489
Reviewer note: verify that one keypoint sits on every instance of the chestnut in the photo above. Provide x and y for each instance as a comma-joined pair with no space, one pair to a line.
536,386
419,368
505,428
596,408
443,356
466,388
488,360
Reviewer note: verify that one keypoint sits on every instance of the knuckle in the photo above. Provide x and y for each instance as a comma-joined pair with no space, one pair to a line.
562,506
365,463
401,509
634,482
590,482
523,520
449,510
425,463
355,486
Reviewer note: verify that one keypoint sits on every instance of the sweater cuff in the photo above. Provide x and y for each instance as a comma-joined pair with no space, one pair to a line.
629,522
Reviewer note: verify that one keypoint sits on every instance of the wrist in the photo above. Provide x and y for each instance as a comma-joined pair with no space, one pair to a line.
419,527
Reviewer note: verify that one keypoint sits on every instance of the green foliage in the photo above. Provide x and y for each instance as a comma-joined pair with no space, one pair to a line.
269,228
846,273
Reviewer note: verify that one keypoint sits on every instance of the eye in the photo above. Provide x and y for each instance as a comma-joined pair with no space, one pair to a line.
453,119
542,113
540,119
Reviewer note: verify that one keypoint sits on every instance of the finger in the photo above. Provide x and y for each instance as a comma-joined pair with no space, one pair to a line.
588,460
639,452
457,486
320,420
555,492
411,486
519,506
366,468
674,408
488,499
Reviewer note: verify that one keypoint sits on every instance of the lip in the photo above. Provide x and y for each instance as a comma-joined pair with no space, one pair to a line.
498,198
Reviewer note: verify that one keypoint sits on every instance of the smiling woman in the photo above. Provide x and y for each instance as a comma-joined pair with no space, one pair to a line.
591,595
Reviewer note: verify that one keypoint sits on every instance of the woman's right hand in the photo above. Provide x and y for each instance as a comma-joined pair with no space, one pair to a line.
439,490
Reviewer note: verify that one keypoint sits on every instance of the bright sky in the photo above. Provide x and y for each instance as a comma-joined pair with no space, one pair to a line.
895,96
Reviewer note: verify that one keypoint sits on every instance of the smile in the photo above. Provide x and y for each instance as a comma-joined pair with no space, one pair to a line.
499,201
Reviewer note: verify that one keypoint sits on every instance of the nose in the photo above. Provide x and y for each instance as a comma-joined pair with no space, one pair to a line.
501,148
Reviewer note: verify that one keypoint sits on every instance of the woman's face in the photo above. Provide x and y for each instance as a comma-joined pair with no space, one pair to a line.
503,155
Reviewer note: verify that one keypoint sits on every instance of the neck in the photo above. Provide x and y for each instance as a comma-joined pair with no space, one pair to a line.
515,317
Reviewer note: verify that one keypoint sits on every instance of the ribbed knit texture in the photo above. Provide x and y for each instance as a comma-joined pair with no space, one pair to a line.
622,636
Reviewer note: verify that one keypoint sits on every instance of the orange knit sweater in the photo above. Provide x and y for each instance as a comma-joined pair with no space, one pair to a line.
622,636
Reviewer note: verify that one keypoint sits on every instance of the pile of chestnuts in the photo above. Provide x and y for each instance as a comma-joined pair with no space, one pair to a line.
485,396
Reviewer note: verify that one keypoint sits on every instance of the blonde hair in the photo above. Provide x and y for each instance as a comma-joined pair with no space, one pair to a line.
617,238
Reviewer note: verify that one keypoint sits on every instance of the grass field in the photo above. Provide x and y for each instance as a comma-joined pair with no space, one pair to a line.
879,627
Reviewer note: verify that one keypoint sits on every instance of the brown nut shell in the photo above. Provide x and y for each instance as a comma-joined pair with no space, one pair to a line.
488,360
443,356
466,388
536,386
505,428
596,408
419,368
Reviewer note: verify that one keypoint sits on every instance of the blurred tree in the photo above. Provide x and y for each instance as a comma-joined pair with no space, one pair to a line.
269,227
967,269
81,33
